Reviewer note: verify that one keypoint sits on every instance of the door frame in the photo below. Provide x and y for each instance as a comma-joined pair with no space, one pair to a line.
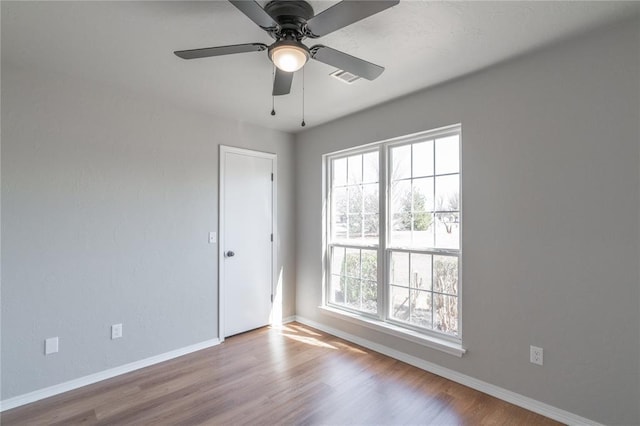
224,149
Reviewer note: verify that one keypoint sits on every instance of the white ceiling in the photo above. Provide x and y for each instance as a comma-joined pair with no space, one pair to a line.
421,43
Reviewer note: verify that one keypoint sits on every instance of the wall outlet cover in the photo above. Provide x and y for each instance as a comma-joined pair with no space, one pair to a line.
535,355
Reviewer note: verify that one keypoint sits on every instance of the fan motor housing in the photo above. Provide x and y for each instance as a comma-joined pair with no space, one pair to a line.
290,15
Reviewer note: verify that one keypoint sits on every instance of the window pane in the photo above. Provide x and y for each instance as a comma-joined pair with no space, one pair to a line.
371,231
370,167
421,271
423,195
402,222
355,226
448,155
340,200
448,230
448,193
446,313
340,228
355,169
421,308
370,296
401,213
401,197
445,274
371,200
400,268
401,231
422,221
423,225
339,168
369,265
399,303
423,159
353,293
339,218
352,263
355,199
401,160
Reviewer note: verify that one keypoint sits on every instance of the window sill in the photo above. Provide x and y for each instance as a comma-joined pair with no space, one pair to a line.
432,342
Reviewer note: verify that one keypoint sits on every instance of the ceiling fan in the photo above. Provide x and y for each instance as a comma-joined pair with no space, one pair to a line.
289,22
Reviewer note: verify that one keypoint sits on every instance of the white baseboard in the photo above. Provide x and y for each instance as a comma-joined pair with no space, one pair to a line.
27,398
493,390
287,320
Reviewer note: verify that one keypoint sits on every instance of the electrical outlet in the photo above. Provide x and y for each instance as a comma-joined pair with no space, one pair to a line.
51,345
535,355
116,331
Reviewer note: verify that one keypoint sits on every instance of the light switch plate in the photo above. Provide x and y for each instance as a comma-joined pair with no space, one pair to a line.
116,331
212,237
51,345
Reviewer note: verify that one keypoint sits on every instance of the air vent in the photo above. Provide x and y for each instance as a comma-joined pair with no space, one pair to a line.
345,76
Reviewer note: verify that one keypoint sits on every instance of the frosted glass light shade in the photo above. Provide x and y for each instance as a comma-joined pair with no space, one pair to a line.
289,57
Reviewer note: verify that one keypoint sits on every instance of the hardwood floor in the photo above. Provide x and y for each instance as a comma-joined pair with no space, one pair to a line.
289,375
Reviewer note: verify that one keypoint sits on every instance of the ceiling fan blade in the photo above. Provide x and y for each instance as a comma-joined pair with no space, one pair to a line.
220,50
255,12
345,13
282,82
345,62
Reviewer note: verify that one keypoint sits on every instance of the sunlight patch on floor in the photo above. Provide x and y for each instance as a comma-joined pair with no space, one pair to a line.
309,341
305,330
308,336
346,346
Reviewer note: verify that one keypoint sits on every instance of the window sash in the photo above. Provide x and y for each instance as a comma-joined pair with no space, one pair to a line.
336,272
431,291
362,212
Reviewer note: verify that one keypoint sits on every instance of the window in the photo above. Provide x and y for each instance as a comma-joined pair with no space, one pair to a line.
393,240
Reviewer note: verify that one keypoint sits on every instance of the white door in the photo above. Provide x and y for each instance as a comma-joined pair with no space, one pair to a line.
246,232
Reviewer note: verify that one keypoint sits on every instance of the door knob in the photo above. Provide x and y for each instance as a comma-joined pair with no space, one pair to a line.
230,253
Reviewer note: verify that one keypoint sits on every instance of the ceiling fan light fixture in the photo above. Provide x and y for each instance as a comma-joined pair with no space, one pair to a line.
289,56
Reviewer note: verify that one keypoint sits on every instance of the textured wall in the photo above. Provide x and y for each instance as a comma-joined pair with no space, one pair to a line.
550,184
107,200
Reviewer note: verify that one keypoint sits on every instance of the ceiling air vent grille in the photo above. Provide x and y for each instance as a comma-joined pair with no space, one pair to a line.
345,76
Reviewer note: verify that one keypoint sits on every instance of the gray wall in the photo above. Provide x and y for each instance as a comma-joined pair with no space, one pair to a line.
107,201
551,217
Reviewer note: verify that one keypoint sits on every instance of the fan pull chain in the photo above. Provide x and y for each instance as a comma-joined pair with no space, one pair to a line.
303,123
273,98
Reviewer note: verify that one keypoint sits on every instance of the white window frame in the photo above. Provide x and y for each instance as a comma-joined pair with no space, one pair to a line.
328,247
382,321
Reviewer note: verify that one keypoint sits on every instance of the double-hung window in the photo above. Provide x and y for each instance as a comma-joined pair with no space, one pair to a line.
393,235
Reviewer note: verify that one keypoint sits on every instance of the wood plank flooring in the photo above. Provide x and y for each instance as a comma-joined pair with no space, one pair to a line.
289,375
